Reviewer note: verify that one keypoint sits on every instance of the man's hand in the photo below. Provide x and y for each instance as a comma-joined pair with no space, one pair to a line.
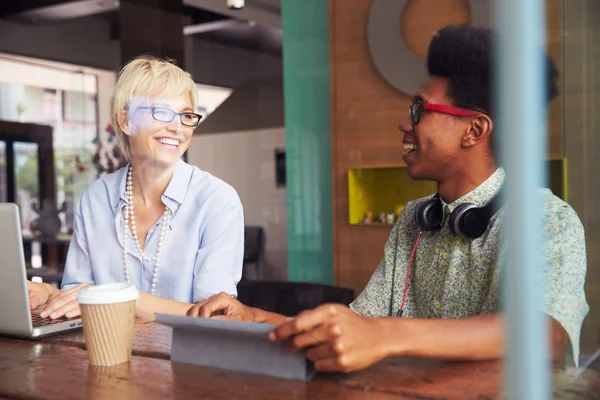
64,303
338,339
222,306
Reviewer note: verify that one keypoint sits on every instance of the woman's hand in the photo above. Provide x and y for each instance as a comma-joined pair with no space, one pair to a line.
223,306
40,293
64,303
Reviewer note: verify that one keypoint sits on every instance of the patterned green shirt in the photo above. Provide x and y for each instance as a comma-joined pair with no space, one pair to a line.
453,277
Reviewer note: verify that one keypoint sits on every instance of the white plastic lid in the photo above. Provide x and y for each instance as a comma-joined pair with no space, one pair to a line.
109,293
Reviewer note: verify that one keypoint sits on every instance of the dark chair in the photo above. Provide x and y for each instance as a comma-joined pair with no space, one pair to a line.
254,251
290,298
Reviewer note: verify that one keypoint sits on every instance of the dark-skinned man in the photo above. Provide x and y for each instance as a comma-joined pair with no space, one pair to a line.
436,293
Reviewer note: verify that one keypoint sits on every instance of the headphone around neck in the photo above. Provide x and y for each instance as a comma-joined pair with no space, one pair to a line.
467,220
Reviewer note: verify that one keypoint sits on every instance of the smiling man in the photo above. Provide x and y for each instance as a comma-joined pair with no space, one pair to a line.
436,293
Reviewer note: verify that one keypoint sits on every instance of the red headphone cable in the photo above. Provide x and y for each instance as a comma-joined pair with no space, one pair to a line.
412,255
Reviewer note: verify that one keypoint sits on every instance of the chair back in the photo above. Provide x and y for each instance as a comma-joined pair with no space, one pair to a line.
254,251
291,298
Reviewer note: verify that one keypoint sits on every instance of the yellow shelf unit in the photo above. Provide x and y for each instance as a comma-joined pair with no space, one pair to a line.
387,189
382,190
557,177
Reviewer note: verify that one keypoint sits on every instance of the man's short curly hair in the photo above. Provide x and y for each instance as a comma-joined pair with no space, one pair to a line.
466,56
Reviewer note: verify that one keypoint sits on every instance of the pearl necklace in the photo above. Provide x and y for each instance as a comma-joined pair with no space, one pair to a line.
129,214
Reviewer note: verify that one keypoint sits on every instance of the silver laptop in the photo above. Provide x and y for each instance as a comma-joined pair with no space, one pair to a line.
16,318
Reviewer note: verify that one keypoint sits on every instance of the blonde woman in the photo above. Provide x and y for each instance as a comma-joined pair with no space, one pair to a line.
173,230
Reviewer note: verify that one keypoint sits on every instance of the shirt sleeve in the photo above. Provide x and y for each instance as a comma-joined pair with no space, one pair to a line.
564,273
376,299
77,266
219,260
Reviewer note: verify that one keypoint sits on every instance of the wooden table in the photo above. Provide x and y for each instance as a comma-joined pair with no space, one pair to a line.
57,368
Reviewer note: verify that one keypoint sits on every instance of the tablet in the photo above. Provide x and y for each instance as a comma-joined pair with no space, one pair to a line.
233,345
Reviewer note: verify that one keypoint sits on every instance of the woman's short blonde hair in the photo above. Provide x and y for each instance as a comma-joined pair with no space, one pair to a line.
148,78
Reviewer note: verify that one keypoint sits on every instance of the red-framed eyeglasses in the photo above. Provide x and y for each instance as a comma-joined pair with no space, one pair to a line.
417,108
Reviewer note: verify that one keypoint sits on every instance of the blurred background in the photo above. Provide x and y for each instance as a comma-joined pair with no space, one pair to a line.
301,103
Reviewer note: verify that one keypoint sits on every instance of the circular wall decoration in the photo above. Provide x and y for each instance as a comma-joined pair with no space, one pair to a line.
398,65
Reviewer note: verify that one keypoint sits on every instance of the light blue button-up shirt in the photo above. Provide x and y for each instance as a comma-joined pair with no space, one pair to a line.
203,252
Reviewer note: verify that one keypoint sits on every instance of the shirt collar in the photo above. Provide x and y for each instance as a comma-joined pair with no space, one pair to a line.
119,197
178,185
174,194
481,195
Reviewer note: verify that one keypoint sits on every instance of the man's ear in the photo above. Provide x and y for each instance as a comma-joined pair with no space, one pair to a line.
480,128
123,120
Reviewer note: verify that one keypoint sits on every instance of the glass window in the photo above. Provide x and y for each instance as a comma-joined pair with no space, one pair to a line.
27,183
66,101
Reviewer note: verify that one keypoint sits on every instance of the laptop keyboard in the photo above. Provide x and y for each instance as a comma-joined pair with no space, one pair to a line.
39,321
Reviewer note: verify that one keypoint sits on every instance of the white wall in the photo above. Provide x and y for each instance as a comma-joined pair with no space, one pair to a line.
246,160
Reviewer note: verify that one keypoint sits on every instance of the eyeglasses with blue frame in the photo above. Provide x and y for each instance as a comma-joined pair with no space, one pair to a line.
166,115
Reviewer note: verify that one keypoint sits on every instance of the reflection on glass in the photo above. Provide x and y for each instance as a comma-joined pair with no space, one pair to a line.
27,182
3,190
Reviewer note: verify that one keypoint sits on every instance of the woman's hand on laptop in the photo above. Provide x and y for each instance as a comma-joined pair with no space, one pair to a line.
39,293
64,303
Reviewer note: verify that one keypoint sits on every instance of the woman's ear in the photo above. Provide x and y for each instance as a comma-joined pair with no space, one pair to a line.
480,128
123,120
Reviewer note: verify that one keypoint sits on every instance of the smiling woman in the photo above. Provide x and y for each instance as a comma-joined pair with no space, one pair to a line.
173,230
155,88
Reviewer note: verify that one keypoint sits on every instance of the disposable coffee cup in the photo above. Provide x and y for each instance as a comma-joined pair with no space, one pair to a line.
108,313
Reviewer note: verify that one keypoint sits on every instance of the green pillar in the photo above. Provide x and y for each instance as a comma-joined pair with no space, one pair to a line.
308,139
